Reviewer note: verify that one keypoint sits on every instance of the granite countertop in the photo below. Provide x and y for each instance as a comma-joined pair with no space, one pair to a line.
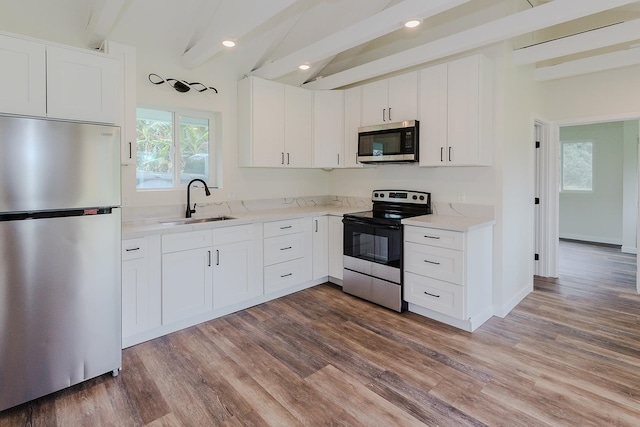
448,222
137,229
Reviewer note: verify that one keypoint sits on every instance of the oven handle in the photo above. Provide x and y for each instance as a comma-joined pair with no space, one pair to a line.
349,221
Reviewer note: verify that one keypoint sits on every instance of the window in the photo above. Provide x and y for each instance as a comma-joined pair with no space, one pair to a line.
173,148
577,166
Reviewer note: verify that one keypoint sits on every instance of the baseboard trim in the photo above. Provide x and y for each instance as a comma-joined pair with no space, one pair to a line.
629,250
502,311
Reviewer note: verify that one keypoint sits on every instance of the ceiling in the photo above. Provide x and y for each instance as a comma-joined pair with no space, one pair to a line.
343,41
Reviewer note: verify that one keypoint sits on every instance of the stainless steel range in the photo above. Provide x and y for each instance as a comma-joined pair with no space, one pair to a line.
373,246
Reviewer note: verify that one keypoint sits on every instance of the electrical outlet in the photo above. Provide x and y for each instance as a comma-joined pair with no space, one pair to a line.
462,197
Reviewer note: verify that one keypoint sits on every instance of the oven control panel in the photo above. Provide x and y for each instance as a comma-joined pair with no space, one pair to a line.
401,196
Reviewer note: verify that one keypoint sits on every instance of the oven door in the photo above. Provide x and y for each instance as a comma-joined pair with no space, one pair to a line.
377,243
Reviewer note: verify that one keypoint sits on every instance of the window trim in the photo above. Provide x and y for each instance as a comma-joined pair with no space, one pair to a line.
214,136
561,177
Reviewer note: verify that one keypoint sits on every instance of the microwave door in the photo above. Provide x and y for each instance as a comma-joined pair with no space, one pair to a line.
383,146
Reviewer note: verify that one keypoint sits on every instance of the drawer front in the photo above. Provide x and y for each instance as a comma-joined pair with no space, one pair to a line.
434,237
186,241
134,249
225,235
435,295
285,275
431,261
283,248
288,226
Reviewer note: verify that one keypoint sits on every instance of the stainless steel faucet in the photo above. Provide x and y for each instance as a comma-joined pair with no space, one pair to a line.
206,191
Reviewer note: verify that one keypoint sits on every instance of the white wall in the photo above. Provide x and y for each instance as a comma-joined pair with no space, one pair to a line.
255,183
596,216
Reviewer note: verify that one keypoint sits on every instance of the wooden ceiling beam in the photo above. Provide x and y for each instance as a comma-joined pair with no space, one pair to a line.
546,15
384,22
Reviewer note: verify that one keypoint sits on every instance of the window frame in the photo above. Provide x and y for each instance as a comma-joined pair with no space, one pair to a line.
176,146
561,180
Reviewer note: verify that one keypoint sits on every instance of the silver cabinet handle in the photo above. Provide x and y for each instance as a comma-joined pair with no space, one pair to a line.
282,161
288,155
316,225
287,275
209,258
217,257
432,295
432,237
449,153
132,249
338,158
389,113
441,154
384,110
432,262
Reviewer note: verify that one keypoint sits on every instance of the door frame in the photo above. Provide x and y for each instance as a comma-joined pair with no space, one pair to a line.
550,213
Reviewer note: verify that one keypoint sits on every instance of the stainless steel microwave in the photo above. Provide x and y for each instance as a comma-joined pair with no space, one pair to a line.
390,142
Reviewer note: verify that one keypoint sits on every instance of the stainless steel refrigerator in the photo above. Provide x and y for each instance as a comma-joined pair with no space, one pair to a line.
60,308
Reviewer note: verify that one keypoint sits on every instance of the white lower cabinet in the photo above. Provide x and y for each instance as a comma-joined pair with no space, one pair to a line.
141,287
287,253
234,278
336,247
448,274
320,247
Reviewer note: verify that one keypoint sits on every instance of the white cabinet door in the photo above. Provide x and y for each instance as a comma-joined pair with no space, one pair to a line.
433,116
403,97
127,93
470,91
375,102
328,128
186,284
233,278
82,86
336,246
298,105
352,113
23,77
135,297
320,251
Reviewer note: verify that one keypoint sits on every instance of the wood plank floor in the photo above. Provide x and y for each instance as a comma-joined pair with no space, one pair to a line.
569,354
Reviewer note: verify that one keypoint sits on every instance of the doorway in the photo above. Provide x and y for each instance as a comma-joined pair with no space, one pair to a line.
548,181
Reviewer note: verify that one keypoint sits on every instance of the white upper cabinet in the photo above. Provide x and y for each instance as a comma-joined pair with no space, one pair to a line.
49,81
456,113
274,124
352,114
23,76
391,100
82,86
328,128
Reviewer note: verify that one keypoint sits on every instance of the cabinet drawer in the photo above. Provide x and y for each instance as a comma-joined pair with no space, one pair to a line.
431,261
435,295
434,237
133,249
284,248
280,228
185,241
285,275
239,233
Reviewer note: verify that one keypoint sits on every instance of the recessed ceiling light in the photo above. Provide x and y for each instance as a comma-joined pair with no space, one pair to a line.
412,23
304,67
228,43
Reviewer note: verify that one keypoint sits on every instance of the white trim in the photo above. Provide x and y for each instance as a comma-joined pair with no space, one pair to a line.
592,64
629,250
468,325
547,224
592,239
513,302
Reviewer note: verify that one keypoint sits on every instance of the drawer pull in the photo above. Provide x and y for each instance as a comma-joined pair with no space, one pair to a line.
288,226
132,249
287,275
432,262
432,237
432,295
285,249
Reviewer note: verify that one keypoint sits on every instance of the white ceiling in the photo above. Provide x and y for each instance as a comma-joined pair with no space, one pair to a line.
344,41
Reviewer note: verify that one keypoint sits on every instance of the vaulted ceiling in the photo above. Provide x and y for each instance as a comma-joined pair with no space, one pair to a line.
343,41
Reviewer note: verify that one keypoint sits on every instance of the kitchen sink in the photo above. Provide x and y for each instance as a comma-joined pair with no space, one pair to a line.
196,220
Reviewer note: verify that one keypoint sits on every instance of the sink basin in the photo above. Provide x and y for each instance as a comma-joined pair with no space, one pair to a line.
196,220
